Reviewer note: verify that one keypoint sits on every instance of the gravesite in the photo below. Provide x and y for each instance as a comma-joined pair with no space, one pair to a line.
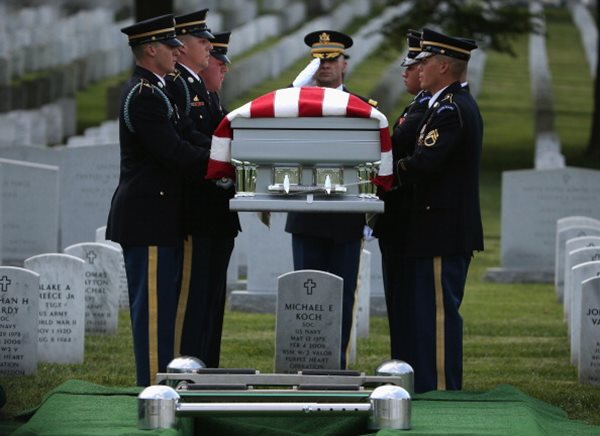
180,181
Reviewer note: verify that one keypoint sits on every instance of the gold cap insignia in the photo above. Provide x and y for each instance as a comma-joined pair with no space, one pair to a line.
431,138
324,38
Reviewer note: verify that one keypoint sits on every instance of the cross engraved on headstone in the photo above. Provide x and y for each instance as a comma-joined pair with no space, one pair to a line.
4,282
309,285
596,257
90,255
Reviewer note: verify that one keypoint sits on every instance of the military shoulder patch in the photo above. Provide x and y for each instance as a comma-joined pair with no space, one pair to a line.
424,99
445,107
431,138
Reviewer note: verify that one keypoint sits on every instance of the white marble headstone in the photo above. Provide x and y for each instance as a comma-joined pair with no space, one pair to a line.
532,202
123,287
19,297
589,337
562,236
576,257
364,296
576,221
580,273
102,277
29,211
89,176
61,307
308,330
268,255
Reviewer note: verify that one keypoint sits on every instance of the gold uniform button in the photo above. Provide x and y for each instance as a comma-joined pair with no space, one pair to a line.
161,193
428,207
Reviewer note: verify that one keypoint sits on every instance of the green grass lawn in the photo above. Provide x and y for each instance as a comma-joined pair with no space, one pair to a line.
514,333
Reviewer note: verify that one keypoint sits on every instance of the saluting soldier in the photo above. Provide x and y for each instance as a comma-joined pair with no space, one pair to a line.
213,226
444,223
330,241
391,226
146,215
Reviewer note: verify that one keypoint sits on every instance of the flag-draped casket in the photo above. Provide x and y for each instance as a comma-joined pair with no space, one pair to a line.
310,149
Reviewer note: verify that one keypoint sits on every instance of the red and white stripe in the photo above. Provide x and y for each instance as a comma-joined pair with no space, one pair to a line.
299,102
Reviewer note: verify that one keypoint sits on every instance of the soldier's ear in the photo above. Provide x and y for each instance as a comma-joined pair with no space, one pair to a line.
150,49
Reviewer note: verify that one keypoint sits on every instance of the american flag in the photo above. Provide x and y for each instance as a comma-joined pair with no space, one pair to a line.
299,102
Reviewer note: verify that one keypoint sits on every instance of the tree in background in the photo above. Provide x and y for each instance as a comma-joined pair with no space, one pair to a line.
494,24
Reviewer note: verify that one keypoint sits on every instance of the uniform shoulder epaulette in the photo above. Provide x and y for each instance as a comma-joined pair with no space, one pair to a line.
137,89
146,83
448,98
448,104
174,74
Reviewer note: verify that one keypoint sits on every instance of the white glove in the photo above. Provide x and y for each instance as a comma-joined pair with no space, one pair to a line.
368,233
305,78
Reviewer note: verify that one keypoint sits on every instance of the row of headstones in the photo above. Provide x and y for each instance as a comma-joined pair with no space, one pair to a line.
577,284
53,197
532,202
50,304
40,38
46,125
588,30
547,143
56,299
105,133
271,62
49,206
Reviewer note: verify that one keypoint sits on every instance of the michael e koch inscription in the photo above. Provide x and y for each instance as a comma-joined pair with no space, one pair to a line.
309,321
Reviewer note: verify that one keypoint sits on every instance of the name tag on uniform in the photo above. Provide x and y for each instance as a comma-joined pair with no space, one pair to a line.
197,102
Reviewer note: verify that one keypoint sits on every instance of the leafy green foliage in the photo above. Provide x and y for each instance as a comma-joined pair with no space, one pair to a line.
494,23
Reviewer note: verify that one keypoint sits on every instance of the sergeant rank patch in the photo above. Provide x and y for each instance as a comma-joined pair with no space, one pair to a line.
431,138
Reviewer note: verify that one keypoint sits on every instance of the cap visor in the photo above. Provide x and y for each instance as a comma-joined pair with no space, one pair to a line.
204,34
221,57
423,55
407,62
172,42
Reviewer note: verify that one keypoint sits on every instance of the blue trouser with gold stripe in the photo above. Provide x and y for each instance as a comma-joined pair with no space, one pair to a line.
423,297
154,278
201,306
339,258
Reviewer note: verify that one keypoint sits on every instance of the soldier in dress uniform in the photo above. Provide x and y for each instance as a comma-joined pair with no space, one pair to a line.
330,241
391,226
146,215
214,74
444,220
213,226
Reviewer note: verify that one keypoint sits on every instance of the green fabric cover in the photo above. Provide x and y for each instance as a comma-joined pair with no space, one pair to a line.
81,408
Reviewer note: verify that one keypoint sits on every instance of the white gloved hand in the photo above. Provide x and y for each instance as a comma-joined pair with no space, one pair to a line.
306,76
368,233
